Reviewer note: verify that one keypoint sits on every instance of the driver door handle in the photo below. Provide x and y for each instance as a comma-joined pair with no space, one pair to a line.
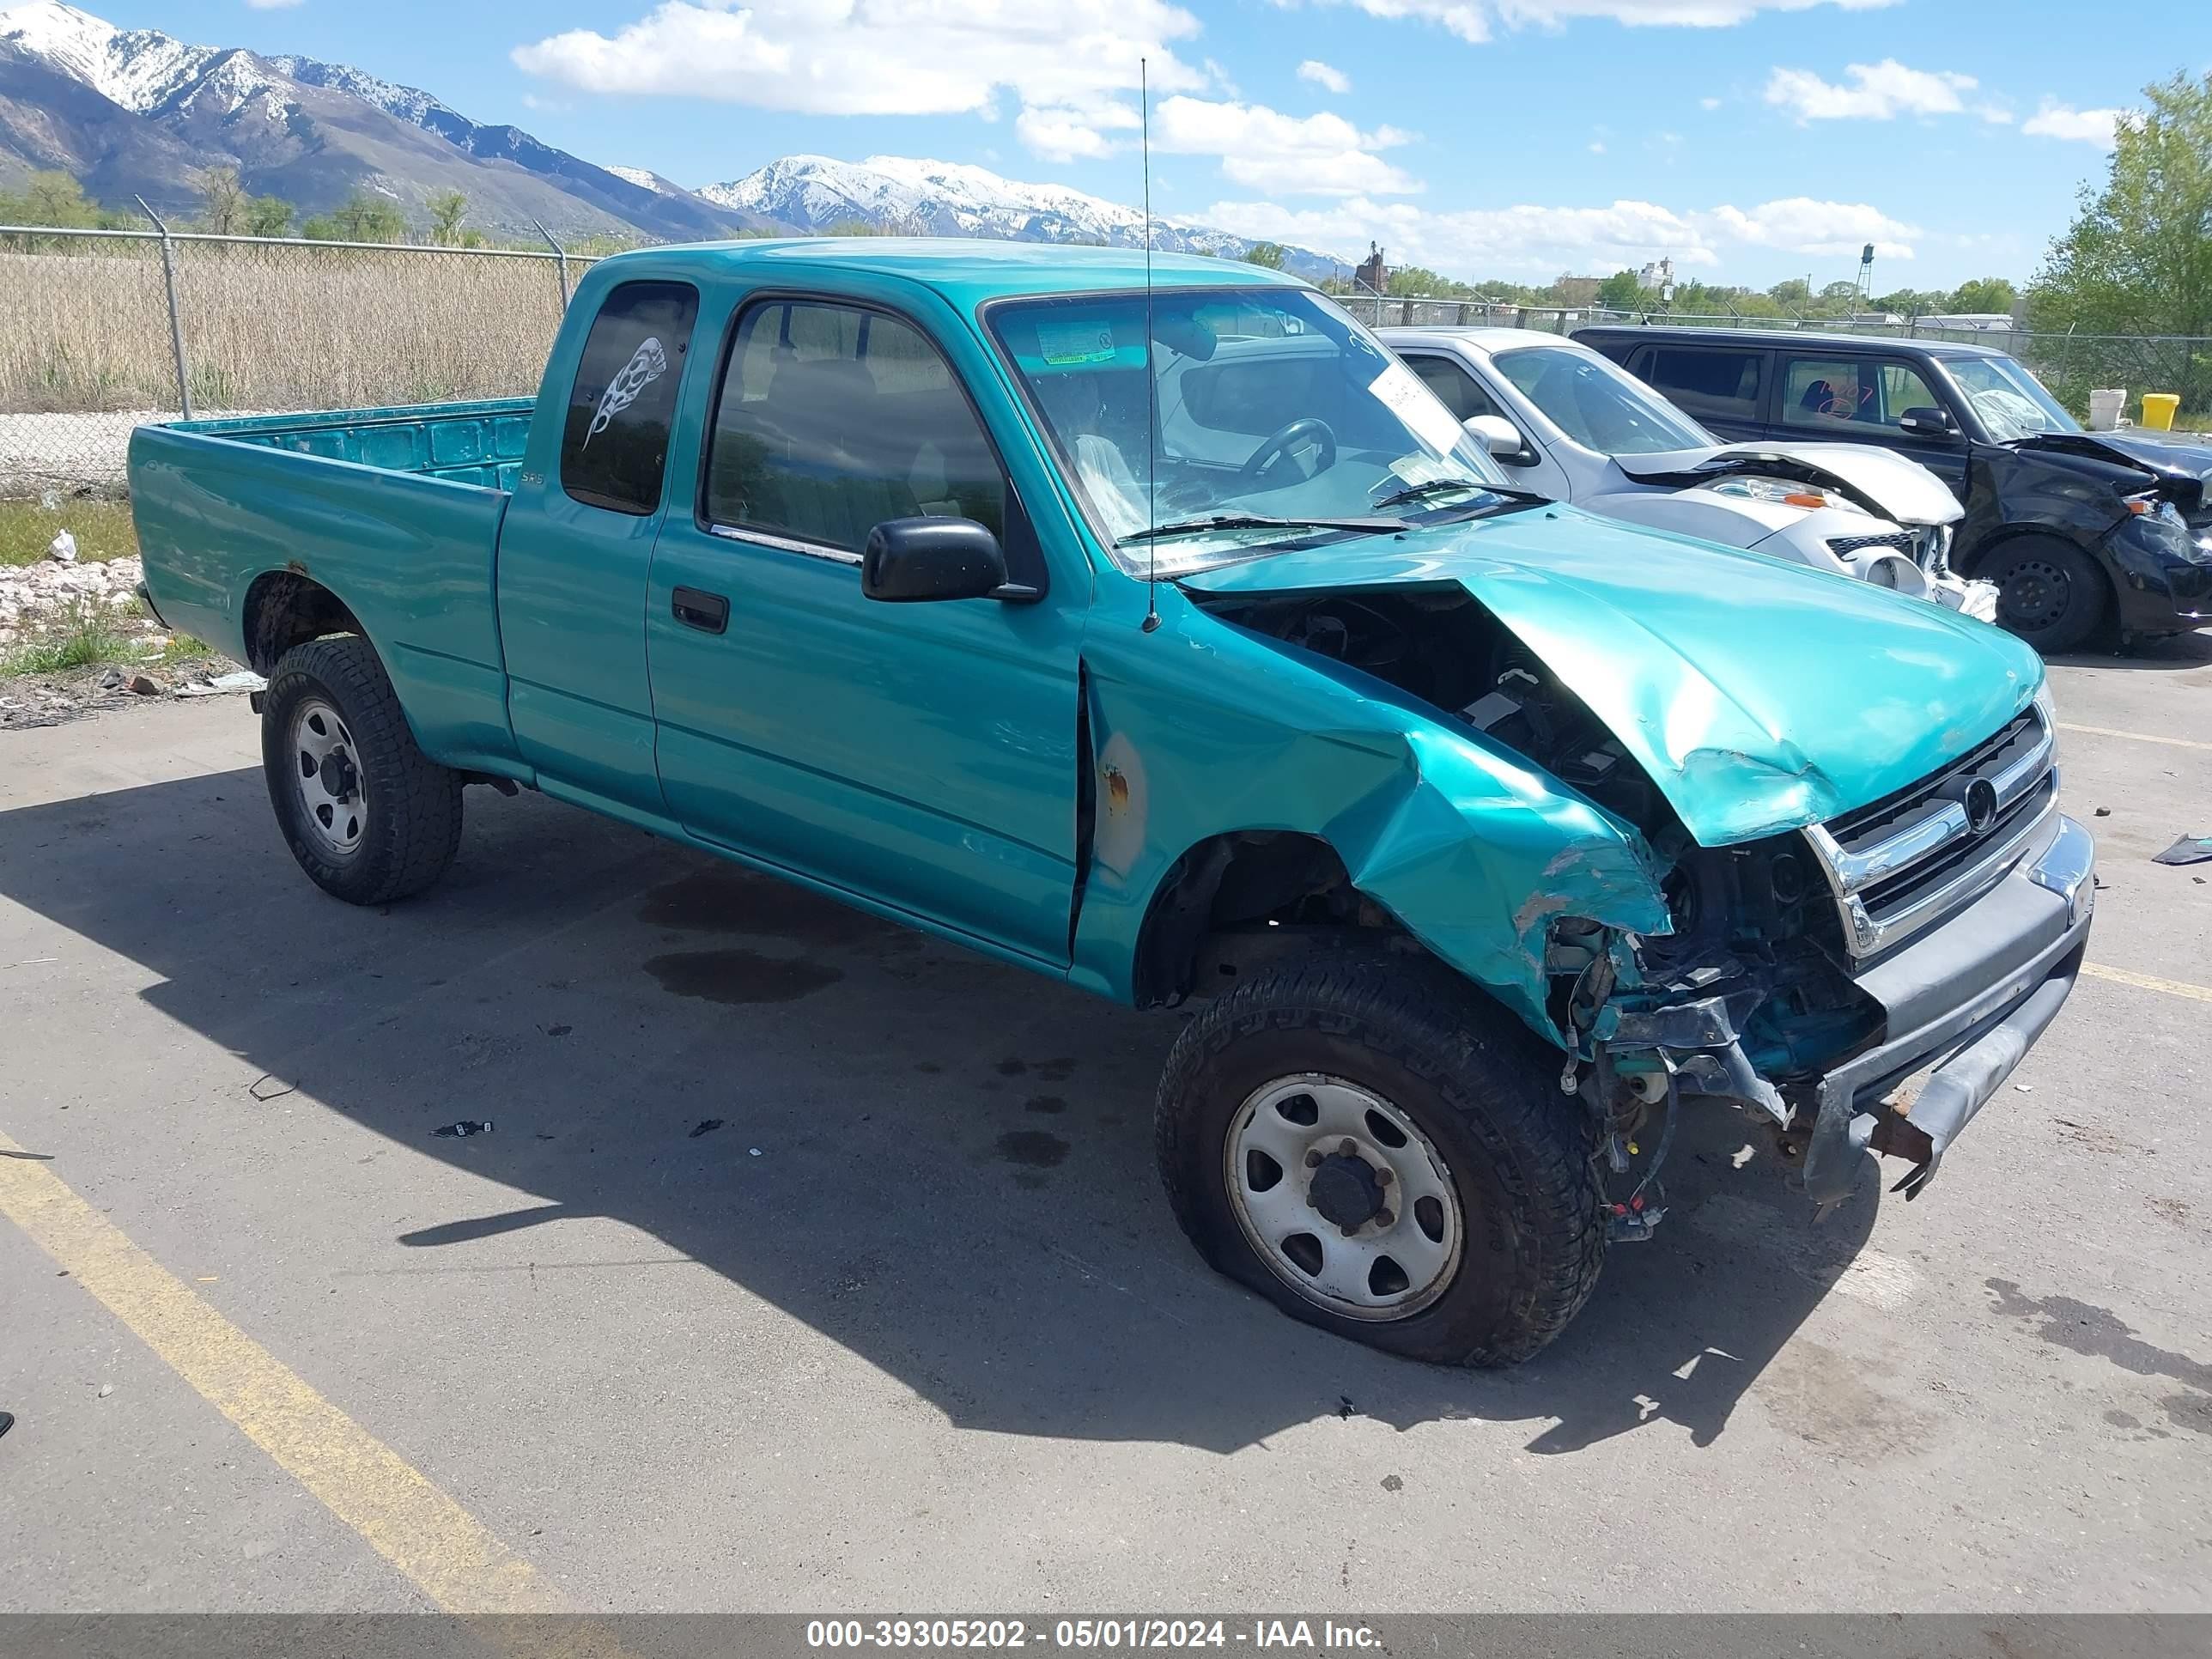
697,608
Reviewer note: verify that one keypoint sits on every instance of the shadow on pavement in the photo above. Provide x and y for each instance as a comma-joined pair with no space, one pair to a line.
2171,654
941,1163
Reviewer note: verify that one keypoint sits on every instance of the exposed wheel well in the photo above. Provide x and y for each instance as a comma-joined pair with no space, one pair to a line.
284,609
1235,900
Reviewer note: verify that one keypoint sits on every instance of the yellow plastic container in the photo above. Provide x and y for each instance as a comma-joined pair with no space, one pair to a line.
2158,408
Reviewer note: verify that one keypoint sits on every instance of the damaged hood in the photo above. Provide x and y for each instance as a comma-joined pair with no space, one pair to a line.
1898,489
2186,469
1758,696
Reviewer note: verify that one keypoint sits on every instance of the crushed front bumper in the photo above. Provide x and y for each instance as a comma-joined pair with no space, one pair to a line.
1969,997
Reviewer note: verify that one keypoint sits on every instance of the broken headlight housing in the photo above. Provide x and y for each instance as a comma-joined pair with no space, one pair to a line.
1782,492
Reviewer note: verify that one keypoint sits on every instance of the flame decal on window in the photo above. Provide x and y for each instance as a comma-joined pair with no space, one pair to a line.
646,364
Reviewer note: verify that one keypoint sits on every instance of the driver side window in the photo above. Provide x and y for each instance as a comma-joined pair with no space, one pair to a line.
1454,386
832,419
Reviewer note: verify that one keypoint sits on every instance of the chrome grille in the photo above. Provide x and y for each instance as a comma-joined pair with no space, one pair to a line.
1903,863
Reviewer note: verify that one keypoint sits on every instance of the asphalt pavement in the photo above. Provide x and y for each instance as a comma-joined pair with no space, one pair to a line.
812,1265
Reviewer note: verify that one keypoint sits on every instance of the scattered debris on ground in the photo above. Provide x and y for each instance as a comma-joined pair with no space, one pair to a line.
706,1125
2190,850
269,1086
460,1131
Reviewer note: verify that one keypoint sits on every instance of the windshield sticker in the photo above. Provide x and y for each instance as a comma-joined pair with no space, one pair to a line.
1423,469
1078,341
1417,407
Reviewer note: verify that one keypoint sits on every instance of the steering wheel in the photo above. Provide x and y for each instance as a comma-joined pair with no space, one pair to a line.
1279,445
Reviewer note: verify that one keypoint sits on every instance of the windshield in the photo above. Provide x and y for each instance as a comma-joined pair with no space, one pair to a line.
1597,405
2011,402
1272,404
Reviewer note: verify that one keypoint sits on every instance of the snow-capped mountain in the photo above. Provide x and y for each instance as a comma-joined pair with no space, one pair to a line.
942,198
135,112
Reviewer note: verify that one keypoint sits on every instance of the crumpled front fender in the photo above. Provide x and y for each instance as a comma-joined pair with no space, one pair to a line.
1474,851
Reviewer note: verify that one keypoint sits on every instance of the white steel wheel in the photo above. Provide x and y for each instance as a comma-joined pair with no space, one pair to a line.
328,774
1343,1197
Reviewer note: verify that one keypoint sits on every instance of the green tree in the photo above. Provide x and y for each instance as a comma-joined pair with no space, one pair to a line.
2137,259
1266,255
447,209
363,218
268,215
224,208
51,198
1622,291
1794,293
1983,293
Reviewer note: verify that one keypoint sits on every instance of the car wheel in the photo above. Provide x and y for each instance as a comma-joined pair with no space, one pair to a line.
1379,1152
368,816
2048,593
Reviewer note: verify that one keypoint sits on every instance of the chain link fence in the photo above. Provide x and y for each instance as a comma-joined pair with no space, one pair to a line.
102,329
2071,364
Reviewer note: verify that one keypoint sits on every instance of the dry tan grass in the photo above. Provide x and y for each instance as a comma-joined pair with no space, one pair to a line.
298,326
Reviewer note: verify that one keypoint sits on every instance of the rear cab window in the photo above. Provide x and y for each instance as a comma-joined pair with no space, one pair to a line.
1711,382
614,445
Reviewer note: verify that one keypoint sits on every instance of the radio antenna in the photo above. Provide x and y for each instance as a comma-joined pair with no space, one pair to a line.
1152,392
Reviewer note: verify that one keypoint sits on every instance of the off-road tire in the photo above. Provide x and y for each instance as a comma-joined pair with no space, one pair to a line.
1482,1089
414,825
2046,561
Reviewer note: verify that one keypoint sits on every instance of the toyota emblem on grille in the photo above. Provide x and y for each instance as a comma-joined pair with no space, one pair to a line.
1981,806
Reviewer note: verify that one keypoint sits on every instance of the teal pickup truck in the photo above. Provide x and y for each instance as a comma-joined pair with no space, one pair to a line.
1170,639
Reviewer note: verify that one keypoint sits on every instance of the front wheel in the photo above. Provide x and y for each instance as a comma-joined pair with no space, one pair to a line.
368,816
1383,1155
2048,593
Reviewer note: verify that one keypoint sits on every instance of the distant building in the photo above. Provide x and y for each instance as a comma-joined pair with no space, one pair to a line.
1978,321
1657,278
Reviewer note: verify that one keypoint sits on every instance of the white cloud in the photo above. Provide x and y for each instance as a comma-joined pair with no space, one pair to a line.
1071,65
1319,155
1799,224
1322,75
1477,20
883,57
2057,121
1597,147
271,5
1875,91
1544,241
1709,103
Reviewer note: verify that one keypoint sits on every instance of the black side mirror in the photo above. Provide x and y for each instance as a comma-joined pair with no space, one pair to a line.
1927,423
909,560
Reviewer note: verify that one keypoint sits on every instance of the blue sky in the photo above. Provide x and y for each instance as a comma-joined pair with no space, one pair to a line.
1751,139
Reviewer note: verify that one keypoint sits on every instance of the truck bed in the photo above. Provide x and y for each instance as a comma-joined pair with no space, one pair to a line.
477,443
396,512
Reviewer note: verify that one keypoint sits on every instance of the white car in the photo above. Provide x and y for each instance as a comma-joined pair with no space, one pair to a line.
1574,427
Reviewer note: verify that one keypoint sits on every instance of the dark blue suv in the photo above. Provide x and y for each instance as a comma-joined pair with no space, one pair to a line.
2084,533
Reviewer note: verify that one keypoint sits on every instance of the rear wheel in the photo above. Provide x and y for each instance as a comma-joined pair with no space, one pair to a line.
368,814
2048,593
1381,1153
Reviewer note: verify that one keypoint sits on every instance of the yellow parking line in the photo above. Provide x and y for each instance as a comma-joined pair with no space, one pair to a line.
444,1551
2138,737
2173,987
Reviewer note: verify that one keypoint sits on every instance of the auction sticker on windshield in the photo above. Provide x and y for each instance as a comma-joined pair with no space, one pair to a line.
1077,341
1416,406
